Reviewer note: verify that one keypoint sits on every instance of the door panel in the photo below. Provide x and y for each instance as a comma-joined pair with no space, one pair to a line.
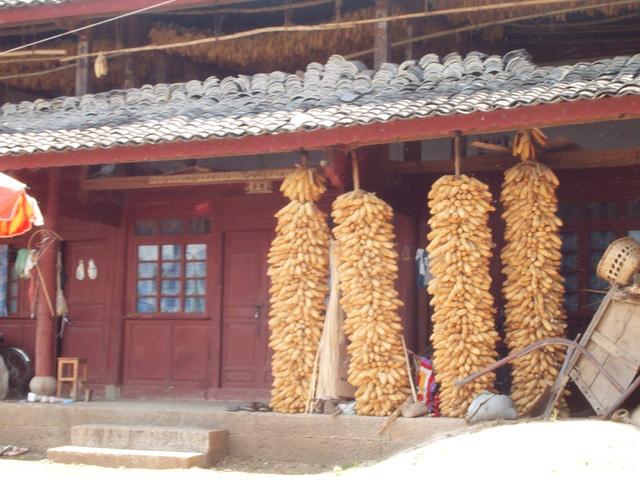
245,354
87,300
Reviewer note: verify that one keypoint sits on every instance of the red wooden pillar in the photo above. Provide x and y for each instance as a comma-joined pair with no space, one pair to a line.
44,382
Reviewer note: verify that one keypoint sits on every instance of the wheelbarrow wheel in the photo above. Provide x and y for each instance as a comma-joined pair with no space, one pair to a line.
20,369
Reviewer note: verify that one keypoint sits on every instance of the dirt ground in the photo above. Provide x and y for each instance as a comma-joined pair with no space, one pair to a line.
571,449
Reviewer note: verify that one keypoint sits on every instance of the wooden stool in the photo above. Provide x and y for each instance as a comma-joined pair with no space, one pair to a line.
76,382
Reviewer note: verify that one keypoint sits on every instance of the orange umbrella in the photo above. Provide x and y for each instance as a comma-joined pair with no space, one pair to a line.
18,211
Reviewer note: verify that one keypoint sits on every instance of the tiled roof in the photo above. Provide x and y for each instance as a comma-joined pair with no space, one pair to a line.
28,3
340,93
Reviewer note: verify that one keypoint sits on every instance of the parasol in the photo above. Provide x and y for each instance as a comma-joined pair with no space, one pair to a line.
18,211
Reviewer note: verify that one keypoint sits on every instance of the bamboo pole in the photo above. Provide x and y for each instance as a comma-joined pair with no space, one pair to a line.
355,171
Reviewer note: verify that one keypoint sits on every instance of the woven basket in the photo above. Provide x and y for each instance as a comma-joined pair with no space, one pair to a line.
620,262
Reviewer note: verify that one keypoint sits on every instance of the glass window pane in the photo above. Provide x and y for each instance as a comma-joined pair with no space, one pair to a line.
199,225
170,287
593,301
147,270
195,269
146,305
569,263
571,283
597,283
194,287
568,212
170,304
147,253
13,305
171,226
571,302
632,209
602,211
601,240
171,252
196,251
170,269
146,227
569,242
147,287
194,304
594,259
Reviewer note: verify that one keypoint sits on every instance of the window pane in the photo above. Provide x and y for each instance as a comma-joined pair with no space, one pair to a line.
571,283
147,253
13,289
194,287
601,240
594,259
147,287
170,304
632,209
569,242
194,304
171,252
635,234
195,269
13,305
602,211
569,263
196,251
170,287
146,227
597,283
571,302
171,226
199,225
594,300
146,305
147,270
170,269
568,212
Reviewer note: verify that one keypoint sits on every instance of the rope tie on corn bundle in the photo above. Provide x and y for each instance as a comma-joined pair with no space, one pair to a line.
298,268
534,288
368,269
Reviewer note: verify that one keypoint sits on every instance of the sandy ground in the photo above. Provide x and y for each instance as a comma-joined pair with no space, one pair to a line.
579,449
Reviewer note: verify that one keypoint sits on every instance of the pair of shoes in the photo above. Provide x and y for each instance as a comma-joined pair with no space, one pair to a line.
251,407
12,451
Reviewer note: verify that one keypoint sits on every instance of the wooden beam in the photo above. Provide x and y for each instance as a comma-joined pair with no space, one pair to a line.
189,179
83,75
573,159
547,115
381,43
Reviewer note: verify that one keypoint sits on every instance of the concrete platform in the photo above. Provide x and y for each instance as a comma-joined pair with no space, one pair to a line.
317,439
113,457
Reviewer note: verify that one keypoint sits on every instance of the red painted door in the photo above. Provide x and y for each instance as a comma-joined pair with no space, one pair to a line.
88,269
246,359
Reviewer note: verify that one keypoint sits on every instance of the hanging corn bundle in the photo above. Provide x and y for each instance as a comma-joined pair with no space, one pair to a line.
368,271
533,288
298,267
464,336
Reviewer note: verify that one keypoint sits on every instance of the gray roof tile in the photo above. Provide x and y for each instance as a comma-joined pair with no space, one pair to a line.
340,93
28,3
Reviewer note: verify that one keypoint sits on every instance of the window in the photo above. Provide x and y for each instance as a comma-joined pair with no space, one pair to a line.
11,292
171,278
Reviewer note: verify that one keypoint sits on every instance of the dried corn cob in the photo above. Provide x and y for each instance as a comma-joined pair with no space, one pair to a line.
464,336
533,288
298,267
368,270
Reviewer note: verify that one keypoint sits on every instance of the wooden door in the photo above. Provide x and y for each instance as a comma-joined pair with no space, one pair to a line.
246,359
87,293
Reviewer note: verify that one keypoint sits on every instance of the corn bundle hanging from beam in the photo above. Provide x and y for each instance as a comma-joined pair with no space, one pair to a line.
459,246
533,288
298,267
368,271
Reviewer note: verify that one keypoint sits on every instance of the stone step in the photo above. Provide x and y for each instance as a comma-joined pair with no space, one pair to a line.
120,457
213,443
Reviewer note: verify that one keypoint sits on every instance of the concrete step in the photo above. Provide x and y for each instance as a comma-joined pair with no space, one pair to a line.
119,457
213,443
